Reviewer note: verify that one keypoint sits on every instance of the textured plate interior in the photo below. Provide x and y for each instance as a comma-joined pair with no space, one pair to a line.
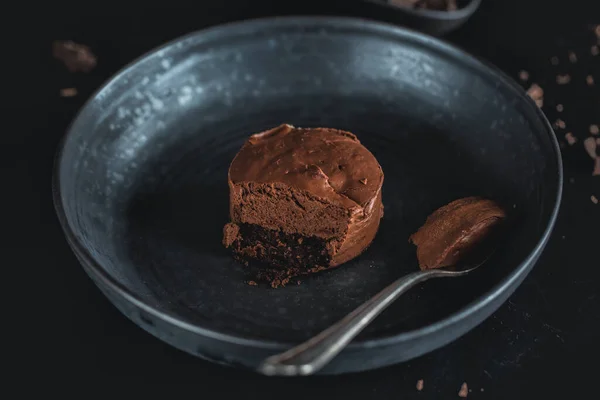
143,172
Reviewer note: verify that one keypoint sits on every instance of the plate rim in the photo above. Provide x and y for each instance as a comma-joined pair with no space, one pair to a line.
326,22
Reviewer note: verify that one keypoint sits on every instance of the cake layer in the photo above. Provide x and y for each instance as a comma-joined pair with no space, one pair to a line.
279,206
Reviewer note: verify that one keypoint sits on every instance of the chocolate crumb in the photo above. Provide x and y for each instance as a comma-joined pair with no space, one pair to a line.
590,146
597,31
559,108
594,199
537,94
554,60
559,123
595,50
596,170
524,75
563,79
275,283
363,181
589,80
572,57
570,138
464,390
68,92
76,57
252,283
594,129
420,385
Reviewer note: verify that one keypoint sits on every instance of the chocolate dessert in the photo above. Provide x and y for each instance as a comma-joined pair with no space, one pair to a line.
453,230
302,200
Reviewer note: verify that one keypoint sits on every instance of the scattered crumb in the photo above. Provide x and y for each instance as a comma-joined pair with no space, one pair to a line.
563,79
559,123
68,92
559,108
594,129
572,57
595,50
464,390
76,57
554,60
537,94
597,31
481,389
590,146
252,283
524,76
596,170
589,80
420,385
363,181
570,138
594,199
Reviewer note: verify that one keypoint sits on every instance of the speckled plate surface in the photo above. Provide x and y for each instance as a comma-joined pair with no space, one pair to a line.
141,190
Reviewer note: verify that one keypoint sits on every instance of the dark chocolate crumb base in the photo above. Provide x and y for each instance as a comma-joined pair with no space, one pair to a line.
275,257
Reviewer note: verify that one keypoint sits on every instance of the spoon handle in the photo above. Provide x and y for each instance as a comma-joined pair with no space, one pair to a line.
312,355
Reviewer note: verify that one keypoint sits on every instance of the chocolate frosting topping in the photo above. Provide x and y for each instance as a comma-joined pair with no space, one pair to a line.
328,163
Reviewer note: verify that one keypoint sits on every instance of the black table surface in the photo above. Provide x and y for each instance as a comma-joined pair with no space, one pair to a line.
543,342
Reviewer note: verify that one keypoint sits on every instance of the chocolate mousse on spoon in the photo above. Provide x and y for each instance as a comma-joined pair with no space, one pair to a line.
448,238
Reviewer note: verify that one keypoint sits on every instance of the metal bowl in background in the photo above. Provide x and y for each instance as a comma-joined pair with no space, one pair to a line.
432,22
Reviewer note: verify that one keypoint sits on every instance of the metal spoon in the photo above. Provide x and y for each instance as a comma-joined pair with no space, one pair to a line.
312,355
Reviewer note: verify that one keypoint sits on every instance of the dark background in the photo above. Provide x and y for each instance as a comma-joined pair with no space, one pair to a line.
63,334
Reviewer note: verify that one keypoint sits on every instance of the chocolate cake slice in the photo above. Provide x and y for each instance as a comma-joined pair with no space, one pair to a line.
302,200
